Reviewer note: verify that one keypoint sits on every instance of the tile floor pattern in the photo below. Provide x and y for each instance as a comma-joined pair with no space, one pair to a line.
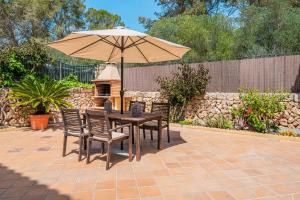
198,165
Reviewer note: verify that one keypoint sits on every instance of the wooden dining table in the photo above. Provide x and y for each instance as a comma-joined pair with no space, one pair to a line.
136,122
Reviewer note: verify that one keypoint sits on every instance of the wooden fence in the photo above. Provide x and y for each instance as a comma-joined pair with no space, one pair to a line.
265,74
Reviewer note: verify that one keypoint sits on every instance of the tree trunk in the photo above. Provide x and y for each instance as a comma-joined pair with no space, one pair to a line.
181,6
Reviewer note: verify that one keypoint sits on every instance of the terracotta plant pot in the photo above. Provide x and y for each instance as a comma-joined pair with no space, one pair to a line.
39,122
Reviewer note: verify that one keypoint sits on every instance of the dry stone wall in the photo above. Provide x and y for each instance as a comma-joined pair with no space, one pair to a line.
9,115
220,104
201,108
80,98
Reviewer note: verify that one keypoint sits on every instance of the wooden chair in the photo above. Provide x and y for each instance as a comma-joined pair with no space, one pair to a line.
143,104
73,127
99,130
164,110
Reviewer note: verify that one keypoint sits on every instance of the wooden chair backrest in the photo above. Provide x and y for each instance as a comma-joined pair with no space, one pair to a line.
98,124
161,108
143,104
71,120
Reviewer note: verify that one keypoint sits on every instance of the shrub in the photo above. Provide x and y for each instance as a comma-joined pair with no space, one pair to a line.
186,122
72,81
219,122
39,94
17,62
198,122
184,85
289,133
258,111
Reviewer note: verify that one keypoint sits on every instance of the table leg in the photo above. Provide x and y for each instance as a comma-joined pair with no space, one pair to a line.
138,147
85,143
111,123
132,136
84,119
129,143
159,133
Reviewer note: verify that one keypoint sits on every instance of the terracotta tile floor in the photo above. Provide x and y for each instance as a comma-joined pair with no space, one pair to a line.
198,164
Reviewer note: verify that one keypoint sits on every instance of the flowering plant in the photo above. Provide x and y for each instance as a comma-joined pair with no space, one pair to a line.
258,111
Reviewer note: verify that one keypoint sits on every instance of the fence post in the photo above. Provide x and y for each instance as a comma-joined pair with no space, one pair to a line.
60,70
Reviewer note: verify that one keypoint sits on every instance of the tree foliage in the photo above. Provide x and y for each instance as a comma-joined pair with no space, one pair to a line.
171,8
272,29
68,17
17,62
22,20
263,28
211,38
46,20
102,19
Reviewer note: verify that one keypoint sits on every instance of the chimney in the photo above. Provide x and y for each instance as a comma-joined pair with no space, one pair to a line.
110,72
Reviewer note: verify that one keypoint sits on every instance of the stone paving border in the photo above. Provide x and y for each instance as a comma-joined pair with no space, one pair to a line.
239,132
8,128
207,129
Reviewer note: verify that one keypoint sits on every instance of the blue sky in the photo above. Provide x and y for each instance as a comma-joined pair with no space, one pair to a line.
129,10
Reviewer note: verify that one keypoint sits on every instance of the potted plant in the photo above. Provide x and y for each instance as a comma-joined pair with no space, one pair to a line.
40,95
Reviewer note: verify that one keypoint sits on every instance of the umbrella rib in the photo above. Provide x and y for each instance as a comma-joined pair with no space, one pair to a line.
116,40
126,41
111,53
59,41
134,43
160,48
87,46
109,42
140,51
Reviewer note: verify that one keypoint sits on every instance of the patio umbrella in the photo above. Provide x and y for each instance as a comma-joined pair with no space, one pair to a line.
121,45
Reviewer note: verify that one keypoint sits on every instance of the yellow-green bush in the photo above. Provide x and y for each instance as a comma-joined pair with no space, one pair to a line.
289,133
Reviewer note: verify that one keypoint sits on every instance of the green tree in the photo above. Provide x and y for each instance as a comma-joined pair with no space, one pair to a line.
18,62
171,8
69,16
211,38
268,30
22,20
102,19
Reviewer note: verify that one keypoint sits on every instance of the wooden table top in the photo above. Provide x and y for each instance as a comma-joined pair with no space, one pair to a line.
126,117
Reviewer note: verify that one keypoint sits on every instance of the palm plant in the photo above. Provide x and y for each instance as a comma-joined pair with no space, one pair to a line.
41,95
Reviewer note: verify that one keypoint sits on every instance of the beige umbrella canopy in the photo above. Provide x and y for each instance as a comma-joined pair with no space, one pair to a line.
119,45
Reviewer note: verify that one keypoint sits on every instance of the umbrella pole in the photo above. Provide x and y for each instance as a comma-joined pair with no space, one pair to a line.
122,75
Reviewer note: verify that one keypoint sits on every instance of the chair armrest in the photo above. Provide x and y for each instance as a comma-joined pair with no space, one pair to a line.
119,127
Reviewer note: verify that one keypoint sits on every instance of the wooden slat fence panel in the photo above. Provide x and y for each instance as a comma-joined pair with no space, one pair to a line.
230,76
292,73
215,72
278,71
265,74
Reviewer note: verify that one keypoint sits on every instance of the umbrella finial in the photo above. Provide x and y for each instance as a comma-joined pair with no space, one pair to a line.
119,27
